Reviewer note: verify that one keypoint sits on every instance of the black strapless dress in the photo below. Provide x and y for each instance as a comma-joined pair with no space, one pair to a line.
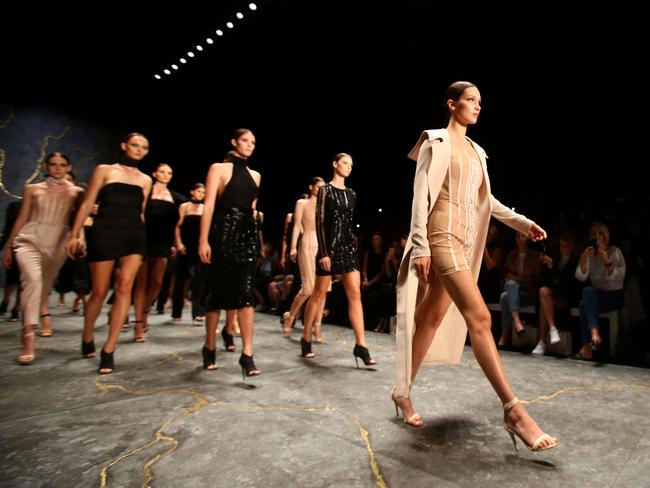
118,229
160,217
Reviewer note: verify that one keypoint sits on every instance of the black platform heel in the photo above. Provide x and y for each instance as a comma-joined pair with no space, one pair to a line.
228,340
209,358
247,366
362,353
305,347
88,349
106,362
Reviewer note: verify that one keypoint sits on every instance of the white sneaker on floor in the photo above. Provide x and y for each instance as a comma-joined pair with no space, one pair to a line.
540,348
555,335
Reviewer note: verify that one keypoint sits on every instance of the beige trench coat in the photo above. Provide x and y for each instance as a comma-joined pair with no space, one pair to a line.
433,152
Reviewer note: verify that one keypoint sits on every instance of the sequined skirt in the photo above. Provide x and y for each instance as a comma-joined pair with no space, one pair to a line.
234,242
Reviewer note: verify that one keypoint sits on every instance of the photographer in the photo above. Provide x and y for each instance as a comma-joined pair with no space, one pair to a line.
604,266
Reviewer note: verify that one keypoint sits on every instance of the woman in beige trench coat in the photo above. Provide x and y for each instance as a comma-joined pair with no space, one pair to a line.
438,299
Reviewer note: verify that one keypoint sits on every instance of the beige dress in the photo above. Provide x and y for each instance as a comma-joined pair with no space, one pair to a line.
40,245
451,227
307,261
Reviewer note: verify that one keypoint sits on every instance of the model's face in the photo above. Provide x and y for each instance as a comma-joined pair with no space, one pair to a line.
198,194
376,241
136,148
57,167
244,145
467,108
163,174
315,187
343,166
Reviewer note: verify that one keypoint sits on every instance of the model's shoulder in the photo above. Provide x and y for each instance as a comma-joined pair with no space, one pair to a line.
438,135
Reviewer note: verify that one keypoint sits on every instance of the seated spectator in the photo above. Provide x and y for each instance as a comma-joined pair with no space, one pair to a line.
491,276
604,266
522,274
559,290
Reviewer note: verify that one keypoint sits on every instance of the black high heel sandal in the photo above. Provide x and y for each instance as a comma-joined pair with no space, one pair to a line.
209,358
305,347
363,354
88,348
247,366
106,362
228,340
137,338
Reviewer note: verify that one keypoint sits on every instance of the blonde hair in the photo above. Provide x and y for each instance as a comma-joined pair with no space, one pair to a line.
602,228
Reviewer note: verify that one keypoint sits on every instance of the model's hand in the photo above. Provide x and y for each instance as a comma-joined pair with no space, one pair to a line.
173,251
536,233
7,257
326,263
293,255
181,249
422,266
205,252
75,247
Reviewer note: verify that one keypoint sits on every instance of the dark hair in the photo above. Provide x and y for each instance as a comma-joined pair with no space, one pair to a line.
454,92
303,196
58,154
227,158
315,180
196,186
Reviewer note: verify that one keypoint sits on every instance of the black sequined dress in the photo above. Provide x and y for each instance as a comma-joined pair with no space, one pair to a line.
334,224
234,242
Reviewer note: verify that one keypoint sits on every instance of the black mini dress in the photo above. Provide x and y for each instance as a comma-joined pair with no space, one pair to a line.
334,229
234,242
118,229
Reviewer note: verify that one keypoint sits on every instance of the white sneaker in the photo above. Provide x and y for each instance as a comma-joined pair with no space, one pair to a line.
555,336
540,348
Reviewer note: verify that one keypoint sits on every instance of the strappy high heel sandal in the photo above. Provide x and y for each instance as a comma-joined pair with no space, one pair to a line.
247,366
228,340
26,359
136,337
283,321
105,362
46,332
537,445
413,420
305,349
88,348
209,358
317,333
362,353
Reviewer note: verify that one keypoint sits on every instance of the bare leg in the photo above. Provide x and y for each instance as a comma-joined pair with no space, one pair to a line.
315,304
139,299
246,318
157,268
465,293
352,285
289,317
129,266
100,276
318,323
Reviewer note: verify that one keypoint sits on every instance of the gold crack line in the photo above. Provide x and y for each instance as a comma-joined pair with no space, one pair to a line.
43,152
570,389
200,402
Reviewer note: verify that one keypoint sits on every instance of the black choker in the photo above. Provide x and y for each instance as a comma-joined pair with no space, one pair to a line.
131,163
237,161
196,202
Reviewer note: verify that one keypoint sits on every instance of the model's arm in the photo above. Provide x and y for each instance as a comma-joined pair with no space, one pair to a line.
283,248
21,220
321,232
180,247
212,190
516,221
147,193
420,206
298,212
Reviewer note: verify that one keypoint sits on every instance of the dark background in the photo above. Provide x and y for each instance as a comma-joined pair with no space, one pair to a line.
563,98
